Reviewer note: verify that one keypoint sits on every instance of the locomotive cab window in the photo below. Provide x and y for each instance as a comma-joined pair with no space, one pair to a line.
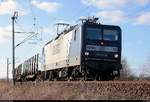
75,34
94,34
111,35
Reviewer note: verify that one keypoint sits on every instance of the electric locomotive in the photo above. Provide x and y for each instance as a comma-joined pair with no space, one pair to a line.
86,51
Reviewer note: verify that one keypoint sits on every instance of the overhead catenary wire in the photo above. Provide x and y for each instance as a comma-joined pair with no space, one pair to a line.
27,38
32,13
35,20
30,34
80,11
34,28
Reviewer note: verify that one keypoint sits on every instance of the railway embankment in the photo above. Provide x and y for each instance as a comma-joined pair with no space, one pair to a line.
106,90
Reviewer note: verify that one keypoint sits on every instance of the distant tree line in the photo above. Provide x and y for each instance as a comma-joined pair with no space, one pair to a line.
126,73
145,73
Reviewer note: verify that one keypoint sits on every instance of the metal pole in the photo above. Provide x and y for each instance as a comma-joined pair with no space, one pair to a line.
7,69
13,49
13,46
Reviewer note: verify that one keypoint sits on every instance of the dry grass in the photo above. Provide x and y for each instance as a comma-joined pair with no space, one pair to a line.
120,90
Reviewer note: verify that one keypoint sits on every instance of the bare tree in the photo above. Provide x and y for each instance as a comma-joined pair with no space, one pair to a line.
125,73
145,73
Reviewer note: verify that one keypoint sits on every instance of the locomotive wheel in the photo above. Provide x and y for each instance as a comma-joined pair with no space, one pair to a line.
97,77
106,77
38,78
85,77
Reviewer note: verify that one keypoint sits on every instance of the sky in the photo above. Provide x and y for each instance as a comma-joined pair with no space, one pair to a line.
40,16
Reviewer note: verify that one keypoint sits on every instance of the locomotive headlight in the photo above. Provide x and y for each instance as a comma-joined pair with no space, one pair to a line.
116,55
86,53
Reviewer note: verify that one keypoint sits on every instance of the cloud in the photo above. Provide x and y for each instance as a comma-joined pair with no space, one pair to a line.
119,11
143,2
143,18
115,4
105,4
6,7
9,6
5,33
112,16
47,6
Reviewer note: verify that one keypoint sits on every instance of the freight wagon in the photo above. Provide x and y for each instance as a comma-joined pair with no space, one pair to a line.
28,70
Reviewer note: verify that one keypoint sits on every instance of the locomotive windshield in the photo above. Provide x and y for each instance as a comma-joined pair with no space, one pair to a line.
110,35
96,34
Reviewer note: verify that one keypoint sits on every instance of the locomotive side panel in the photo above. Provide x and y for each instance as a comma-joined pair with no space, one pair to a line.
64,51
75,48
56,52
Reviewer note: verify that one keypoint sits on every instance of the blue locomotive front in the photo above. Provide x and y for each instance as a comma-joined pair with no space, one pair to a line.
101,50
